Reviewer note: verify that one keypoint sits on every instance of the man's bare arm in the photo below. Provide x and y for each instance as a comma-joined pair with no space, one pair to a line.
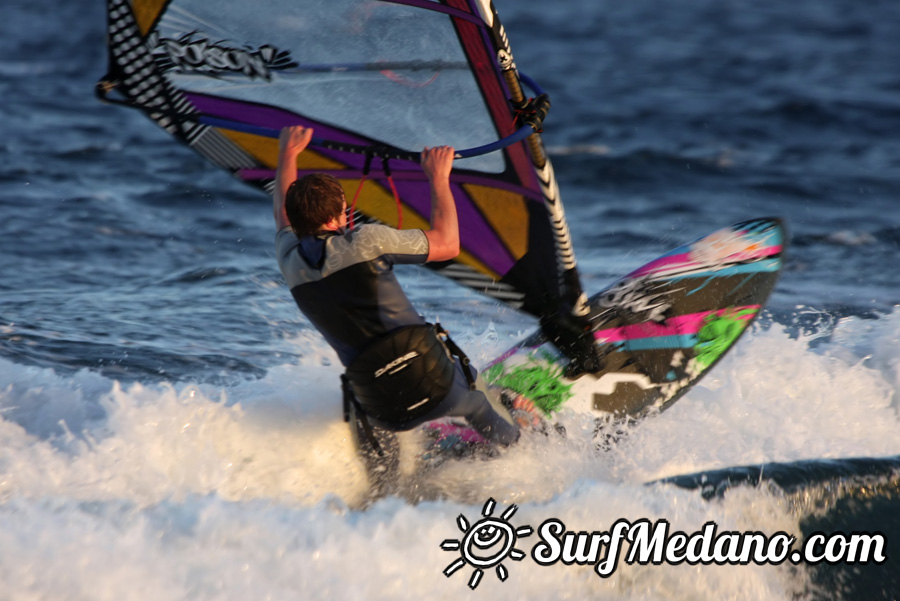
443,237
292,141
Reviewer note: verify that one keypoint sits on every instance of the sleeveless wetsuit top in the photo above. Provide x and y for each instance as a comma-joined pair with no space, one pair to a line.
344,282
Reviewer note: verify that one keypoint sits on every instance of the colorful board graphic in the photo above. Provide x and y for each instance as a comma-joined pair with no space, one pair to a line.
660,328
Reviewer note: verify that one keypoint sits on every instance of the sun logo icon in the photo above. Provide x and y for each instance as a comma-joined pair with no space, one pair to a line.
486,543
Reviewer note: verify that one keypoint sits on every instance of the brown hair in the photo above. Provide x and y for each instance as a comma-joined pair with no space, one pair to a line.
312,201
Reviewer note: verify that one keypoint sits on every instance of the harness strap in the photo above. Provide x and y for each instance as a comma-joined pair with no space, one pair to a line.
352,408
385,165
367,166
458,353
365,174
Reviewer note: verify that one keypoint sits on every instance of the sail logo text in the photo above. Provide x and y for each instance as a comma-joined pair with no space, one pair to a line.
397,364
654,543
191,54
636,295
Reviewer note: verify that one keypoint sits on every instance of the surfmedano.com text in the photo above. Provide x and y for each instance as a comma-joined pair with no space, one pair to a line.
653,543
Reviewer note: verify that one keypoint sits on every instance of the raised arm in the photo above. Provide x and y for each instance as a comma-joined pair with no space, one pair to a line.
292,141
443,237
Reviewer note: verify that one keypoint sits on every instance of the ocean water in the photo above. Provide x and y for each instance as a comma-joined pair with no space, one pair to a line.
170,425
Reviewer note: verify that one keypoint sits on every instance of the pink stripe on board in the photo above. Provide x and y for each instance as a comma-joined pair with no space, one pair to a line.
503,357
674,326
465,434
684,260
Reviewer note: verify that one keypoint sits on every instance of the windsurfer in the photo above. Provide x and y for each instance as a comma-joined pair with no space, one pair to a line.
399,371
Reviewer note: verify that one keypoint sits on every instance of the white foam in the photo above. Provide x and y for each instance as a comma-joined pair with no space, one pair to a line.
114,491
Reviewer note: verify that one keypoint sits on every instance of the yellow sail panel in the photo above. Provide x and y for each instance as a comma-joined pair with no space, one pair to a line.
146,13
468,259
313,160
377,202
380,204
265,150
506,212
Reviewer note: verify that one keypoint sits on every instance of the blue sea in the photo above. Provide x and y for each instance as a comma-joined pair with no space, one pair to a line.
170,426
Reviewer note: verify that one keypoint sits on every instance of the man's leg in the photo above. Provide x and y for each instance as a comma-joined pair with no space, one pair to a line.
380,453
377,447
481,408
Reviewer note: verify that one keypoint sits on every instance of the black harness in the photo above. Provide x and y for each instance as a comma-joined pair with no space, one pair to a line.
402,376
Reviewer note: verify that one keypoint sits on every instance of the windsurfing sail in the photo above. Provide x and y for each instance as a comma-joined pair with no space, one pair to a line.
378,80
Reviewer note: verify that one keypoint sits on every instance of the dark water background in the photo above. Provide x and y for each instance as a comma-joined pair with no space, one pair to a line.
129,264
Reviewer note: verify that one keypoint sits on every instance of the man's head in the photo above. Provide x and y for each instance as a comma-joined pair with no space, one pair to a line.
315,202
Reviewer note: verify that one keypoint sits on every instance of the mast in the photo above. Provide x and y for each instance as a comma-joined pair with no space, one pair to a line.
568,325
